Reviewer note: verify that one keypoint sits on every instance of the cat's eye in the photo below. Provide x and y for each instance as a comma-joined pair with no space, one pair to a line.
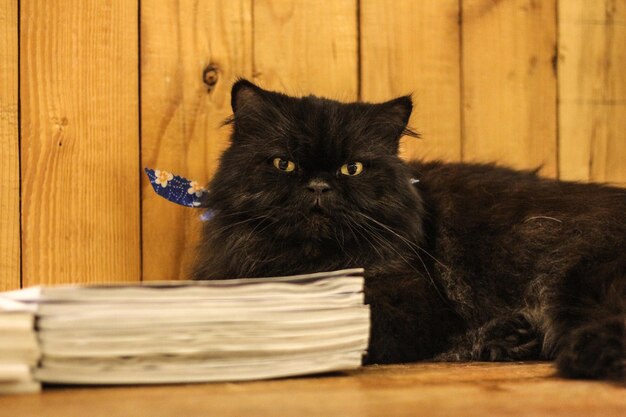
352,169
284,164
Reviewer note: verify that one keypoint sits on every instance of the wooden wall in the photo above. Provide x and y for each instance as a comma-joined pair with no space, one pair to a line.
108,87
9,149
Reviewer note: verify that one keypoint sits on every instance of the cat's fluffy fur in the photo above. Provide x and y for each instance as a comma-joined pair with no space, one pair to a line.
473,262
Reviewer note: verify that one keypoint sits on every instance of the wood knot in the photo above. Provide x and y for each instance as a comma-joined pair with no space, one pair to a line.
210,76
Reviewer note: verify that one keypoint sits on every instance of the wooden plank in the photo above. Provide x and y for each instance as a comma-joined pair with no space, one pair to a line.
79,105
307,47
509,83
592,90
443,389
413,47
180,117
9,150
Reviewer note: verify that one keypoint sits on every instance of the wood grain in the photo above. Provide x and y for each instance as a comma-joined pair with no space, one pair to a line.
307,47
592,90
9,150
477,389
413,47
181,116
79,147
509,83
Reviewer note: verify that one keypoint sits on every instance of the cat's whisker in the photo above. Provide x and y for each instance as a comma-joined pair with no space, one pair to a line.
230,226
250,219
351,230
411,246
407,241
342,245
236,213
380,239
386,243
373,246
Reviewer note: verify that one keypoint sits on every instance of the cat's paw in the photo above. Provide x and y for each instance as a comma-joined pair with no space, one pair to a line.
595,351
456,355
510,338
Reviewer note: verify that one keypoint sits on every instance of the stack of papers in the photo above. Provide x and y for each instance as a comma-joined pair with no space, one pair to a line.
19,351
199,331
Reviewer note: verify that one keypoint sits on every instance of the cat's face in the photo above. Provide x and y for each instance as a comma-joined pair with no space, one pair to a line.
310,168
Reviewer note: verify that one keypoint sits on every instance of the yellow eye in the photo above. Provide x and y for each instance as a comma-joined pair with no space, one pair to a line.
352,169
284,165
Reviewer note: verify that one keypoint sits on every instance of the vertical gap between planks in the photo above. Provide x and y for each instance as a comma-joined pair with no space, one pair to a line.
252,45
461,85
555,68
139,141
19,137
359,90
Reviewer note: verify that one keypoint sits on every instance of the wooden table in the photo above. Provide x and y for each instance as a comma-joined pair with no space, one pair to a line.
478,389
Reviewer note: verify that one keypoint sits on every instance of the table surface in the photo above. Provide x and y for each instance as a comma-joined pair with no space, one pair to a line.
429,389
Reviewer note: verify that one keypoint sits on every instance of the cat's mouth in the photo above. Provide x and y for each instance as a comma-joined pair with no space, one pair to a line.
318,219
318,210
318,225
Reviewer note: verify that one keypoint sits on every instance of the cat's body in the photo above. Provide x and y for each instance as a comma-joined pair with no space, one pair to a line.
470,262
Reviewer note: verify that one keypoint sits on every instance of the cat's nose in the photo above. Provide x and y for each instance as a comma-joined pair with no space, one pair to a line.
318,186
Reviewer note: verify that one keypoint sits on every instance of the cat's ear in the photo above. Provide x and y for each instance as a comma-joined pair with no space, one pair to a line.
392,118
399,109
246,96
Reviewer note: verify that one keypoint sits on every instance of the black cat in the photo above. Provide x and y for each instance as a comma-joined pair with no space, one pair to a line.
463,261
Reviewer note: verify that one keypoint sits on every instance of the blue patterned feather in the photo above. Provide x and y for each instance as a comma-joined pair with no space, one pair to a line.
175,188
